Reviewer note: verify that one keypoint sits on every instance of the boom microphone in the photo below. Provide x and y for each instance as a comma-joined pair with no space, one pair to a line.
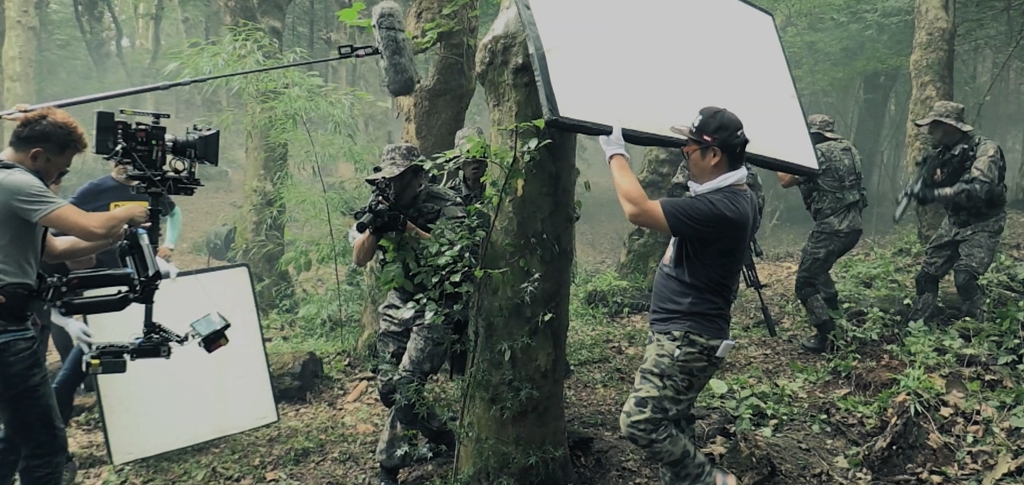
396,61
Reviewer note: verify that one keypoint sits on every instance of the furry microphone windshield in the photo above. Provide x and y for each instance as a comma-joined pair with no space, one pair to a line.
396,61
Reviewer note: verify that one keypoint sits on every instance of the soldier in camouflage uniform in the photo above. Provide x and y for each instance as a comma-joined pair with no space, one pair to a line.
835,197
467,181
412,349
970,184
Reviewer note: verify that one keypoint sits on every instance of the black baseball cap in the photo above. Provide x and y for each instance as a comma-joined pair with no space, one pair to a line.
715,126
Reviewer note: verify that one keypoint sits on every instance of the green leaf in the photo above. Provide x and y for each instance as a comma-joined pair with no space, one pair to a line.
1017,421
718,387
348,15
539,123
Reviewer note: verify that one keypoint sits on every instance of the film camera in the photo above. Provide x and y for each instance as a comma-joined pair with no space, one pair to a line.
145,147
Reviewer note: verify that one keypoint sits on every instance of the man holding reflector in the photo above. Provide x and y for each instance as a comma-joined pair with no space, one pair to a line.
692,296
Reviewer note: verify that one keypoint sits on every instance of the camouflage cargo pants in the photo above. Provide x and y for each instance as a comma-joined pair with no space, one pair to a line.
411,350
658,415
814,285
969,252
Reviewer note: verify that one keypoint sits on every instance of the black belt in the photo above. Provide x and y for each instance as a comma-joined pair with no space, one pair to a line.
19,300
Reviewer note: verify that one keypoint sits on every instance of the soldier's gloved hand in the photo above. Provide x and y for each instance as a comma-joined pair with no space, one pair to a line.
613,144
926,196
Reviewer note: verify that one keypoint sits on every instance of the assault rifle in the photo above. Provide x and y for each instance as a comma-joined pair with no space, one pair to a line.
751,279
378,208
913,189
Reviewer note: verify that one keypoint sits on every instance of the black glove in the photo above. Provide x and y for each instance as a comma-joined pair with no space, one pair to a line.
926,196
392,222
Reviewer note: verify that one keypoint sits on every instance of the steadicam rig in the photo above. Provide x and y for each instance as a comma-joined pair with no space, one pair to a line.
136,282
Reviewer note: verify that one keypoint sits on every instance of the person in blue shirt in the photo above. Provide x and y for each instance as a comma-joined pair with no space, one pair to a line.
115,190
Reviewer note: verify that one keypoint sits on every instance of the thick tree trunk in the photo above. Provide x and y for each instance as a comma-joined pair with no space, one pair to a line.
19,51
644,247
876,89
514,404
931,77
266,172
437,110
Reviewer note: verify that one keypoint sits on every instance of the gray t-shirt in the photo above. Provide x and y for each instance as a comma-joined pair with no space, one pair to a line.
24,199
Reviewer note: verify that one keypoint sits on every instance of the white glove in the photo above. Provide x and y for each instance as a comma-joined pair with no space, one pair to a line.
168,270
78,331
613,144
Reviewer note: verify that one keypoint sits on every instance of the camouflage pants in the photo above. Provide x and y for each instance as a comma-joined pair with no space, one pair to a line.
969,252
814,286
411,350
658,415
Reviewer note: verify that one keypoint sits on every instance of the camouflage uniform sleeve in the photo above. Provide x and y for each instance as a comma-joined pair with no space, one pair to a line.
754,183
678,187
981,182
453,210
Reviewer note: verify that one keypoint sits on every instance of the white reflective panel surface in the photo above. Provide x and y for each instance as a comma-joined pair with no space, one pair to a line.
651,64
161,405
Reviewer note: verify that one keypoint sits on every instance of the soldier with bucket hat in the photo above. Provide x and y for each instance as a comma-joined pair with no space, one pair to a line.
412,346
969,181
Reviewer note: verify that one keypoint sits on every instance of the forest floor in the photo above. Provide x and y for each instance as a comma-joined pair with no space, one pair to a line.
923,404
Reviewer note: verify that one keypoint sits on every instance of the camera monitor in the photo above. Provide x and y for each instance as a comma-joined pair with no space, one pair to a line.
159,405
652,64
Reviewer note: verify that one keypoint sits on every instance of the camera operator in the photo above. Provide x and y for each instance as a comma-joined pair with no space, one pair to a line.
412,348
41,149
693,288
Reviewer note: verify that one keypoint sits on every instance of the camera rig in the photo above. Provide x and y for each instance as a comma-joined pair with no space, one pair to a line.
145,147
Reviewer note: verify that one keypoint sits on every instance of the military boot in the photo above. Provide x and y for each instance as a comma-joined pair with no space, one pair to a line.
832,303
973,308
819,342
387,476
924,308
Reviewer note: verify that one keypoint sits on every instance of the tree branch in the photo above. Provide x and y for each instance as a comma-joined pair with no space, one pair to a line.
1009,55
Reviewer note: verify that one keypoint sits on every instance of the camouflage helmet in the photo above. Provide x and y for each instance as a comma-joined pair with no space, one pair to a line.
395,159
947,112
823,124
463,136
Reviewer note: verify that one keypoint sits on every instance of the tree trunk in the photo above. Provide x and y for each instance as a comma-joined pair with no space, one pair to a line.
931,75
91,16
21,29
644,247
876,90
514,404
3,35
266,171
437,109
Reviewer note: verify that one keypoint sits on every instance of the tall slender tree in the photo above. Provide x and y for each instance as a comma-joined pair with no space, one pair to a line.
931,77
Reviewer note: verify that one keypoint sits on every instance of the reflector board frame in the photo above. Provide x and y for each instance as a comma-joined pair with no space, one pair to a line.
724,53
162,405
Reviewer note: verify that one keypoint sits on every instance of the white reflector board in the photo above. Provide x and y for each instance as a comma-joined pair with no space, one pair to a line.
161,405
652,64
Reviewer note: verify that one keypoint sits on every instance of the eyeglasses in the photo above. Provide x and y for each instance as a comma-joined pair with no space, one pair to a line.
686,154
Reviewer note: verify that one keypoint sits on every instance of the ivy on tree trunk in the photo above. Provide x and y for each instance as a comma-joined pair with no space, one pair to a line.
514,415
